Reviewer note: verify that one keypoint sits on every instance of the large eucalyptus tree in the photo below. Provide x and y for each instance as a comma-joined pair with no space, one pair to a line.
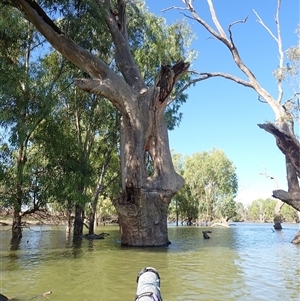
144,199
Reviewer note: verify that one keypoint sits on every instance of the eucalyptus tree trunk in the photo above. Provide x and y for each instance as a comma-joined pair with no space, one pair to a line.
79,219
277,216
17,221
143,205
19,196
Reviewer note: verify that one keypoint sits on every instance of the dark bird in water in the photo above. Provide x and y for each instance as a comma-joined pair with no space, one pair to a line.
205,235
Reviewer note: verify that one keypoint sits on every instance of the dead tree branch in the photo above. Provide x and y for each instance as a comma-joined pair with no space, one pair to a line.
279,44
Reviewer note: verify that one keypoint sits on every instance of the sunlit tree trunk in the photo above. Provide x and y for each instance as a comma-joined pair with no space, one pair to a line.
143,204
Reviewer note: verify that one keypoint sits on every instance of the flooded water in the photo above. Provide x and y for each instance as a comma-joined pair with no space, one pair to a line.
244,262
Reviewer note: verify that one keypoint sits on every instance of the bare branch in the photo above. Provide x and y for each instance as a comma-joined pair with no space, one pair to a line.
279,43
228,42
205,75
215,19
264,25
222,37
265,173
296,95
173,7
202,22
229,27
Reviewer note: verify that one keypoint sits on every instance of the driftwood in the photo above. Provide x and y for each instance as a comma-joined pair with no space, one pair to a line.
148,285
205,235
3,224
95,236
220,225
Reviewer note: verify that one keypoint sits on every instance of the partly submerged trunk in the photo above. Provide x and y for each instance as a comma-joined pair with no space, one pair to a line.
143,205
290,147
17,223
69,221
98,190
17,217
143,218
92,215
79,219
277,216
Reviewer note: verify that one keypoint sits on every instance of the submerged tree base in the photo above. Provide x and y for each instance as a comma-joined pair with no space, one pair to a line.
296,239
143,218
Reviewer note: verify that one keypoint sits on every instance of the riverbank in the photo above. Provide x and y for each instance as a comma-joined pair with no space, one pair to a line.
39,218
8,222
49,221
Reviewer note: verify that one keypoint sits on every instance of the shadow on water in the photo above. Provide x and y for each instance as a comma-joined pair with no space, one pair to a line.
77,246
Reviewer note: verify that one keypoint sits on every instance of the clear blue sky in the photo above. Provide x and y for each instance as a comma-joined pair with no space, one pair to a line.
222,114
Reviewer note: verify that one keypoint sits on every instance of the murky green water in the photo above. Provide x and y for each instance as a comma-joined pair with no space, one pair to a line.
245,262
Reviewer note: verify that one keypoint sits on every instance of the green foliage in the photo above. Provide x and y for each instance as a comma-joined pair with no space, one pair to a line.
289,74
289,214
58,140
212,179
106,208
25,100
241,213
262,210
210,186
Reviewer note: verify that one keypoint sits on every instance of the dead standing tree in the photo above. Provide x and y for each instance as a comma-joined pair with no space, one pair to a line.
143,204
282,129
279,204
